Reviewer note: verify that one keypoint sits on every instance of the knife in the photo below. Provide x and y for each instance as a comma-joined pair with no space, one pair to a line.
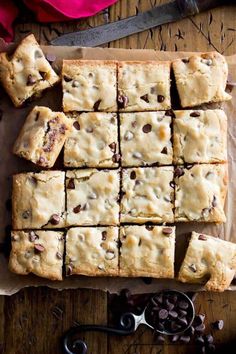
170,12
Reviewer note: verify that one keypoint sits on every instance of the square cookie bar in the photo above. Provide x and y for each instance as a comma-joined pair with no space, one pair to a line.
92,251
38,200
210,261
27,72
145,138
37,252
200,192
147,195
93,141
147,251
200,136
143,86
92,197
201,78
42,136
89,85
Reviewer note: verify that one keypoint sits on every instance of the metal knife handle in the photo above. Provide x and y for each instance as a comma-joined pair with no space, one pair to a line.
193,7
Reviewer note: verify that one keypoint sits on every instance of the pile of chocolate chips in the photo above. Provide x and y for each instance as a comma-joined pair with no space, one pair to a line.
125,302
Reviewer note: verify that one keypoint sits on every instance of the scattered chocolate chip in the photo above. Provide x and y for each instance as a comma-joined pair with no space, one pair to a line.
218,325
185,60
59,255
71,184
174,338
26,214
147,128
32,236
38,248
96,105
170,113
55,219
145,98
67,79
164,150
184,339
30,80
199,319
132,175
116,158
200,340
69,270
77,209
195,114
179,172
200,328
214,202
148,227
209,338
43,74
163,314
193,268
122,101
202,237
190,331
172,184
167,230
160,98
75,83
189,167
112,146
76,125
104,235
50,57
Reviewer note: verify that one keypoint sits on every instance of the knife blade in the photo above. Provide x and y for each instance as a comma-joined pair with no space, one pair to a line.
170,12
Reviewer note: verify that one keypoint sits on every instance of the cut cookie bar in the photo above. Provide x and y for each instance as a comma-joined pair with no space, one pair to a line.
201,78
200,136
38,200
92,251
147,195
209,260
147,251
37,252
200,193
89,85
92,197
27,72
145,138
143,86
42,136
93,141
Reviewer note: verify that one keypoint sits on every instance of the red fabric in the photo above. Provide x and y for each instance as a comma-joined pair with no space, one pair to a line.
49,11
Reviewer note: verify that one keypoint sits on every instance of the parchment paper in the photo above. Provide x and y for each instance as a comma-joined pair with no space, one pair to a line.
10,124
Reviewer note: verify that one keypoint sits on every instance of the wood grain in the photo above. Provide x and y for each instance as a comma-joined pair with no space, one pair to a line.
32,321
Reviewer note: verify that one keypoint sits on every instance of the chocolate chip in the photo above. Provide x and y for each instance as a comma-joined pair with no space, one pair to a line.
122,101
38,248
163,314
26,214
207,61
76,125
75,83
164,150
189,167
183,305
59,255
173,314
190,331
172,184
167,230
160,98
77,209
214,202
182,313
32,236
209,338
50,57
193,268
71,184
170,113
184,339
175,338
185,60
200,340
132,175
179,172
200,328
134,124
145,98
112,146
148,227
55,219
69,270
96,105
195,114
199,319
104,235
43,74
183,322
30,80
116,158
147,128
202,237
218,325
67,79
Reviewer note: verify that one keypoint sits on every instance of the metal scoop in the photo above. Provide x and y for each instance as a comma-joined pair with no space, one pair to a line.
129,322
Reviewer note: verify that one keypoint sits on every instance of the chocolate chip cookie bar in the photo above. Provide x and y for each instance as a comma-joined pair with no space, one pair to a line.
89,85
92,251
147,251
201,78
42,136
27,72
38,200
143,86
210,261
200,192
37,252
93,141
147,195
145,138
92,197
200,136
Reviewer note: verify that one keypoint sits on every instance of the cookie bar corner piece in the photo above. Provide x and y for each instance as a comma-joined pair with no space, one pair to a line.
42,136
200,192
89,85
37,252
147,251
143,86
26,73
92,251
201,78
210,261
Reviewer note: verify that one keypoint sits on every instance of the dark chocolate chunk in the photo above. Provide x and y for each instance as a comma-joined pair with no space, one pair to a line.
71,184
149,227
43,74
209,338
170,113
67,79
193,268
96,105
164,150
38,248
200,328
145,98
195,114
30,80
116,158
77,209
163,314
179,172
202,237
218,325
69,269
32,236
174,338
185,60
59,255
160,98
26,214
214,202
112,146
167,230
55,219
199,319
184,339
132,175
122,101
147,128
104,235
76,125
200,340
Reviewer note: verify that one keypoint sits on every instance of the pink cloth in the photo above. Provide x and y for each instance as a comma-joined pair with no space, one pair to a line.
48,11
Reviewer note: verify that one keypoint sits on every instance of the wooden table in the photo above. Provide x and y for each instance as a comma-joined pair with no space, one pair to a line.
32,321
